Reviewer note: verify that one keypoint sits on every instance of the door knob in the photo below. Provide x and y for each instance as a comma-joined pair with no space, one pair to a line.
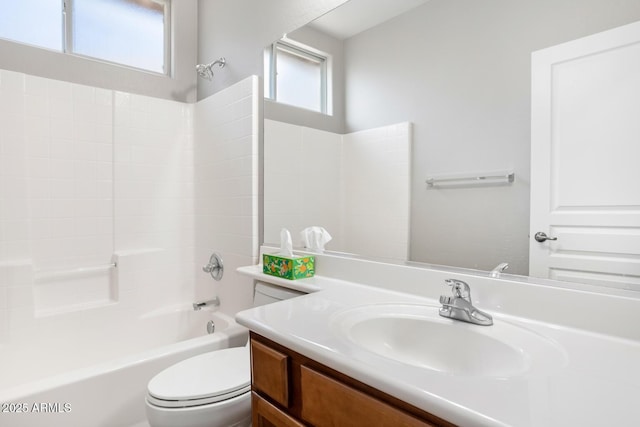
541,236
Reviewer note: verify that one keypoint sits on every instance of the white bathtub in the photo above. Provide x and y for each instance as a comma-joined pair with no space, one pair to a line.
105,392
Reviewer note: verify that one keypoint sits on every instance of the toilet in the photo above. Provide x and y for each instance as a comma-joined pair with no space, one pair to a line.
212,389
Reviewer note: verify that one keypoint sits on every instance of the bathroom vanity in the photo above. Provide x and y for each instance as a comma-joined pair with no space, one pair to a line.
367,341
290,389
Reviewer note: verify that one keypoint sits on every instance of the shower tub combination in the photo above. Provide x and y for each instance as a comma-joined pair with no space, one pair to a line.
105,386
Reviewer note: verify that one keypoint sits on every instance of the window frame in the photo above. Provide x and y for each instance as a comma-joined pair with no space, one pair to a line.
306,52
67,38
66,29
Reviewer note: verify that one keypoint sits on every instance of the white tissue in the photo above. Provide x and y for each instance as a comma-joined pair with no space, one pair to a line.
314,238
286,246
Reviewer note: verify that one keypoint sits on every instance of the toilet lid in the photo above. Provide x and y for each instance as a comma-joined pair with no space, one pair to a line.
206,378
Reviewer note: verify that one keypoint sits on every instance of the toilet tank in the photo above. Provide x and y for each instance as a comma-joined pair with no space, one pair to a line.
266,293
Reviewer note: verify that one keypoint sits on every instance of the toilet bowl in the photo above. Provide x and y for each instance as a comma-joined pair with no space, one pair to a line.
212,389
208,390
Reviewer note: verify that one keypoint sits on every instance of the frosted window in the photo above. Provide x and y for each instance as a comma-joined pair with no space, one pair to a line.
299,80
129,32
36,22
297,74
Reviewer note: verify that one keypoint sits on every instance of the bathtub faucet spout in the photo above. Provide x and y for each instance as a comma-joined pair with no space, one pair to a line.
213,302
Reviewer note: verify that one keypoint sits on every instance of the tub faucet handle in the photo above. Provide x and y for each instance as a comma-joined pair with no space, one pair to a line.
215,267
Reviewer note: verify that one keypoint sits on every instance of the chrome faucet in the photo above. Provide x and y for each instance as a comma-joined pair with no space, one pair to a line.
213,302
459,306
500,268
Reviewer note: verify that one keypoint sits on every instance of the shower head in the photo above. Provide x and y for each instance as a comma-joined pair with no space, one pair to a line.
205,70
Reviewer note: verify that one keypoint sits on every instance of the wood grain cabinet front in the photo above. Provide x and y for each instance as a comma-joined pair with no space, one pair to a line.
290,389
270,372
327,402
265,414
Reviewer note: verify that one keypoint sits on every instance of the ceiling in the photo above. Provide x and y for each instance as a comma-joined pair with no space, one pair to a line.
356,16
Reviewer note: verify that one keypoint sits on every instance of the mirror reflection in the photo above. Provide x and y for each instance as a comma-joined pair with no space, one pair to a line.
448,84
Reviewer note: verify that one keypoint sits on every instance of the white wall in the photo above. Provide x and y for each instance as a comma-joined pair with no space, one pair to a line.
180,86
460,71
90,176
375,191
240,29
87,173
153,150
227,193
302,175
356,186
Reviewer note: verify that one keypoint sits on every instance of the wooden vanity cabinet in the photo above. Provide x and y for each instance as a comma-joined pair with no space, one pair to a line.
289,389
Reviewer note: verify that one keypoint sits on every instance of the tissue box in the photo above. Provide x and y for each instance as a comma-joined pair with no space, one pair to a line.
288,268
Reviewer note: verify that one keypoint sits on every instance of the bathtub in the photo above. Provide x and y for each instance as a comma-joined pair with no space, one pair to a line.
106,388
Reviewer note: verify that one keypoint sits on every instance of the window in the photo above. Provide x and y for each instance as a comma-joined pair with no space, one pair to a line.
297,75
135,33
36,22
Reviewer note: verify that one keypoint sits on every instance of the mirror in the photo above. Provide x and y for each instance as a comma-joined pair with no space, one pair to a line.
457,75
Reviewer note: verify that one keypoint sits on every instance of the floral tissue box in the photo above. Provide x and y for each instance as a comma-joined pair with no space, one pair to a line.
288,268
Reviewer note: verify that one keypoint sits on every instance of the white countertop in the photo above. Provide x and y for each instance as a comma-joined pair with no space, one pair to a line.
595,382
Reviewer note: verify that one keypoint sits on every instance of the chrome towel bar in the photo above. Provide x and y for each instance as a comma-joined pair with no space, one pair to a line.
507,177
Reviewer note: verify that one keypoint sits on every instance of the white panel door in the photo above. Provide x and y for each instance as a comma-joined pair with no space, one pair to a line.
585,160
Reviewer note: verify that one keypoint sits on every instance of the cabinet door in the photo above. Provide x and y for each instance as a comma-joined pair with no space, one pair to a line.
267,415
327,402
270,372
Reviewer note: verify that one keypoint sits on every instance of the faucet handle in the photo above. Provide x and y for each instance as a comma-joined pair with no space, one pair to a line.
459,288
215,267
446,301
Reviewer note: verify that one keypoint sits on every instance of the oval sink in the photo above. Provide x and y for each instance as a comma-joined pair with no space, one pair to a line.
416,335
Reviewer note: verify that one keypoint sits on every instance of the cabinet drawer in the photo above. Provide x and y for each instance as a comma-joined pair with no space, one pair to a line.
270,372
327,402
267,415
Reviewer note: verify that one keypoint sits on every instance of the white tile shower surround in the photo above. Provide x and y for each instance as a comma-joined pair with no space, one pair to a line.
226,179
89,176
376,176
302,169
355,185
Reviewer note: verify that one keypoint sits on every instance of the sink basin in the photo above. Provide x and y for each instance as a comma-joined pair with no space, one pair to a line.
416,335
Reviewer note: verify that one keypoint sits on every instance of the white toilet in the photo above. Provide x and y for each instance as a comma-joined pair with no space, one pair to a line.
212,389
